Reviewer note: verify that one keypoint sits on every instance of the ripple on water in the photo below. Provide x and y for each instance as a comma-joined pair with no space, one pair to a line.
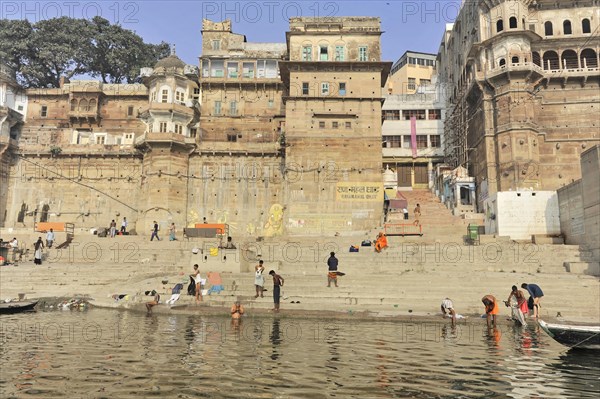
131,355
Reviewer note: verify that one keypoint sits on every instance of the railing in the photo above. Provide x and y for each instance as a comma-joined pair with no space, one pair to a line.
403,229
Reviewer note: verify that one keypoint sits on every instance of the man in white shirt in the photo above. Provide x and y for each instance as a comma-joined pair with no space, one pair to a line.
50,238
14,245
124,226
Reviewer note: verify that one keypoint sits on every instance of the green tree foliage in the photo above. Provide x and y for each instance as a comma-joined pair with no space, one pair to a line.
119,53
65,47
14,37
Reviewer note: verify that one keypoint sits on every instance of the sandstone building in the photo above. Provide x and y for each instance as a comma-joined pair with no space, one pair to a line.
522,85
333,78
263,137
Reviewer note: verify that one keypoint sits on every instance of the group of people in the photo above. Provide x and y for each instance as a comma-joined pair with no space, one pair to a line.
259,283
416,212
156,228
112,231
516,300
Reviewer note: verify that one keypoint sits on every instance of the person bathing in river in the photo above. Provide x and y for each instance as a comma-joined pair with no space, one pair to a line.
491,309
237,310
517,296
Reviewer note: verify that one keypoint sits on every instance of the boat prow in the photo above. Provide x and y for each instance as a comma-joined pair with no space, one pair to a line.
17,307
584,337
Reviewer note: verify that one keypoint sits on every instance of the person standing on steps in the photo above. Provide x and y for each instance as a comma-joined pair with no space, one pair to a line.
332,264
113,228
50,238
259,279
417,213
124,226
172,232
536,293
155,232
405,212
198,280
277,284
38,246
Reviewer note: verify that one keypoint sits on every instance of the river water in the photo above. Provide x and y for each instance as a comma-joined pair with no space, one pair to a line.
113,354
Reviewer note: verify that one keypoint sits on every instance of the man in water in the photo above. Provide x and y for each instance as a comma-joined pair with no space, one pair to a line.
277,284
237,310
491,309
536,293
154,302
448,309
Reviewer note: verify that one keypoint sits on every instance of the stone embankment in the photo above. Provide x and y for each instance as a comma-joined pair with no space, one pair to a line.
410,278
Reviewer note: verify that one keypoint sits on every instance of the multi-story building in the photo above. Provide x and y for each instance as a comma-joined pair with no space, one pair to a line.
412,73
13,107
522,84
333,78
235,141
413,160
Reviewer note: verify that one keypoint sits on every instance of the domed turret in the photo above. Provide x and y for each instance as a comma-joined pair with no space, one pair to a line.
171,61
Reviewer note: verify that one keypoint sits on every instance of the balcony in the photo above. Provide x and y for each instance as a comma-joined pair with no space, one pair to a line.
512,71
84,113
422,153
168,138
170,108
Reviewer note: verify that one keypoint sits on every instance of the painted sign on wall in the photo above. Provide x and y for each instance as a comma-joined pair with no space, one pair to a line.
359,191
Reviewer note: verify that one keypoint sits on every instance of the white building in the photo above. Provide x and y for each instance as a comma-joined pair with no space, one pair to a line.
413,159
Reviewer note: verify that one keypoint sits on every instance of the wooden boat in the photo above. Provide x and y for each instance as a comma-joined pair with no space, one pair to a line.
17,307
586,337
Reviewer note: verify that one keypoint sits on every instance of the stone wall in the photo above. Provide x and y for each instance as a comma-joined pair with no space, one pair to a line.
580,205
87,191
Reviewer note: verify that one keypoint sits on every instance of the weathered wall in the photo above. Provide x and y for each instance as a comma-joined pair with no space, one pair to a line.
87,191
244,191
580,205
521,214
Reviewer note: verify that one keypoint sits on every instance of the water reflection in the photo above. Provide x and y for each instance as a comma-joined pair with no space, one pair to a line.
138,355
275,338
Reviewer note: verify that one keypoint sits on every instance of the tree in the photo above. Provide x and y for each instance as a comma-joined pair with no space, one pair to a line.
65,47
119,54
58,47
14,42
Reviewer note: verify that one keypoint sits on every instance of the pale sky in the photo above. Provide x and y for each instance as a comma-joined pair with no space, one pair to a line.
407,24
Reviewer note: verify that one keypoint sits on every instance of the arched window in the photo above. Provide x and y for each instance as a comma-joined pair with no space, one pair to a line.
73,105
536,58
512,23
92,105
568,59
499,26
514,60
551,61
567,27
501,62
83,105
548,28
588,58
585,26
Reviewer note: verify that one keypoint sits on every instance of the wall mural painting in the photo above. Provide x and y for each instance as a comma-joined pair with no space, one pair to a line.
274,226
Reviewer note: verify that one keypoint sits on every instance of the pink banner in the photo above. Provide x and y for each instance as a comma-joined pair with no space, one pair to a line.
413,135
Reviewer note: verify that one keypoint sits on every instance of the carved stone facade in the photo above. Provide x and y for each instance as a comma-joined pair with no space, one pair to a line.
522,84
212,143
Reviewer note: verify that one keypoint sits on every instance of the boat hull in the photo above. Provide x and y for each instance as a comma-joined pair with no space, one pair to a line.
584,337
17,307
